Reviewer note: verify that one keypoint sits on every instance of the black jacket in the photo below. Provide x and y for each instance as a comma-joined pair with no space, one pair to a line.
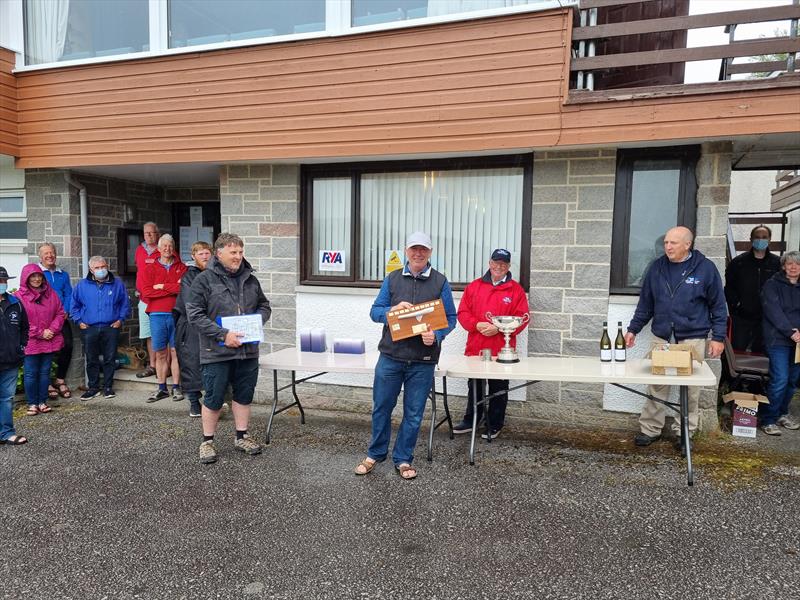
187,341
217,293
744,278
13,332
781,303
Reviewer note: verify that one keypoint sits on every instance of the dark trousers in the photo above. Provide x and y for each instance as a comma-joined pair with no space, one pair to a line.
497,406
747,334
100,340
63,357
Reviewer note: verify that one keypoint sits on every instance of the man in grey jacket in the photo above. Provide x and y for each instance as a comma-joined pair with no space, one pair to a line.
226,288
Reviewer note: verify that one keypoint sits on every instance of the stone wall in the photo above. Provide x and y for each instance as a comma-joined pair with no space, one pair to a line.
54,216
260,203
573,202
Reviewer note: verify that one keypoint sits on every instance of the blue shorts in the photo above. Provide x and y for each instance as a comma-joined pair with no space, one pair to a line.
240,374
162,330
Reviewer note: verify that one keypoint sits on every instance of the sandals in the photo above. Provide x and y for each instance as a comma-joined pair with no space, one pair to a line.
43,408
148,372
365,466
32,411
52,392
15,440
63,390
406,471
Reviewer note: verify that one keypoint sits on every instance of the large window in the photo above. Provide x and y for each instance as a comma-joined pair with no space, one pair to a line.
655,189
58,30
198,22
372,12
357,217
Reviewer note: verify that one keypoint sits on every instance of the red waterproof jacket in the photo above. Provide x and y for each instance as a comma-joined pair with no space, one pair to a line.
143,259
480,297
162,300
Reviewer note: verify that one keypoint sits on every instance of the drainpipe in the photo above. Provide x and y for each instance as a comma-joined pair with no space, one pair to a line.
84,222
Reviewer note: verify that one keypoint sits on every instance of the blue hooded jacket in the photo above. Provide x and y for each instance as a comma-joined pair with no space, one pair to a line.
59,281
780,300
695,306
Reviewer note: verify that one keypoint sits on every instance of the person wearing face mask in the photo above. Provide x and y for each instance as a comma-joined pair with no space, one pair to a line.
100,306
497,293
781,302
745,276
13,339
45,320
187,342
408,363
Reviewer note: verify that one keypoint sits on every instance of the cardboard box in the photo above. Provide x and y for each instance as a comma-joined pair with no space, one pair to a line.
745,412
672,359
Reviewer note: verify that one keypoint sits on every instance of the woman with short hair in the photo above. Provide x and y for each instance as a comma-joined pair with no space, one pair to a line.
780,300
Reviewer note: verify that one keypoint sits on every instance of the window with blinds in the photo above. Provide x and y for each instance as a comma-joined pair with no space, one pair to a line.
361,215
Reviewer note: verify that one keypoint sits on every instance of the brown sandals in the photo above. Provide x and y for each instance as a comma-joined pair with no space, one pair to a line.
406,471
365,466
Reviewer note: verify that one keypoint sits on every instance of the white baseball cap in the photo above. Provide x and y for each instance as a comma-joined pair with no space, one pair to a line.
419,238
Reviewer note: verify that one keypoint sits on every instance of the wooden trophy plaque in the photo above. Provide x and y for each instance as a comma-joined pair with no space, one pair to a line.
418,319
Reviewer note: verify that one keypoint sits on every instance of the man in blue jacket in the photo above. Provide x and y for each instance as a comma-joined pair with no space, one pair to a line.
60,283
99,306
683,294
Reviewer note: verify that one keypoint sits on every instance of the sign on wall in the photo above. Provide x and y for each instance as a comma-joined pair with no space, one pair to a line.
332,260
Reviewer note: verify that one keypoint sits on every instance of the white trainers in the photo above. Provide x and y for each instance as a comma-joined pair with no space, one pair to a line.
771,429
788,422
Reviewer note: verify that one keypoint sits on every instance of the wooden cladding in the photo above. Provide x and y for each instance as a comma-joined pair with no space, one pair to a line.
485,85
9,135
469,86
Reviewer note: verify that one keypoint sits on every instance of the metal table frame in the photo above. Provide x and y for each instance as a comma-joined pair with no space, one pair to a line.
434,424
681,407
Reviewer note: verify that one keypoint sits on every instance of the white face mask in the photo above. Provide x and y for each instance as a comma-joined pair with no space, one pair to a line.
3,288
100,273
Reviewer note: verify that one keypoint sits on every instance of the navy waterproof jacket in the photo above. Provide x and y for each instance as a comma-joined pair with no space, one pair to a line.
695,306
780,301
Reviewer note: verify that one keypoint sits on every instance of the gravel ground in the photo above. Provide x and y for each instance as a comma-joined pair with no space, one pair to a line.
109,501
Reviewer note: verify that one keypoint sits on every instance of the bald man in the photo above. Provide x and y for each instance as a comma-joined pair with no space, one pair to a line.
682,294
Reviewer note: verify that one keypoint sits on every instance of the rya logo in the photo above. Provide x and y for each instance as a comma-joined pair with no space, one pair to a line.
693,281
331,258
507,299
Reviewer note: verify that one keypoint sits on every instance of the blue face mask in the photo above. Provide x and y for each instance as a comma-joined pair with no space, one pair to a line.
3,288
101,273
760,245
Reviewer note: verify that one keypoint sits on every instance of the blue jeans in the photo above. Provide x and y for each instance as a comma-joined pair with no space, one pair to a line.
784,376
37,377
8,386
416,380
97,340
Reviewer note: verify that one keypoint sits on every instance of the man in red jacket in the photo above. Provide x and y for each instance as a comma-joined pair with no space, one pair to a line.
161,285
146,254
496,292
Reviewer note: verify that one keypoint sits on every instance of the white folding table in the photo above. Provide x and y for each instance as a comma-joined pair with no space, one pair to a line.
582,370
320,363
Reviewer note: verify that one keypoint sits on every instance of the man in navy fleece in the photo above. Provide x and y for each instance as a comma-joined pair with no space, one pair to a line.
683,294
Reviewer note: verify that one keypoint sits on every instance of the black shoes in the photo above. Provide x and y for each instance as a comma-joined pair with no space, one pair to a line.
157,395
642,439
463,427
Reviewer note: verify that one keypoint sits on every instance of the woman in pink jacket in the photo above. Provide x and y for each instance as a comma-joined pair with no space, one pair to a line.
46,318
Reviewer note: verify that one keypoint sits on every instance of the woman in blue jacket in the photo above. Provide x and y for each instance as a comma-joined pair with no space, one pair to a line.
780,300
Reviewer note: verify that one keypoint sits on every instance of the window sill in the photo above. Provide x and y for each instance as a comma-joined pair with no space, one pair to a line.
347,291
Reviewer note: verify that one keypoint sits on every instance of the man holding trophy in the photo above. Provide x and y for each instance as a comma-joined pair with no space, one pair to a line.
488,302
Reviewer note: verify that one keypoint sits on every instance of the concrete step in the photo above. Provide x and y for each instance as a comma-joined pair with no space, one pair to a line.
125,379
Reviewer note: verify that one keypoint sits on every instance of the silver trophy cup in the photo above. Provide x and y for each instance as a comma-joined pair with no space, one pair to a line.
507,324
